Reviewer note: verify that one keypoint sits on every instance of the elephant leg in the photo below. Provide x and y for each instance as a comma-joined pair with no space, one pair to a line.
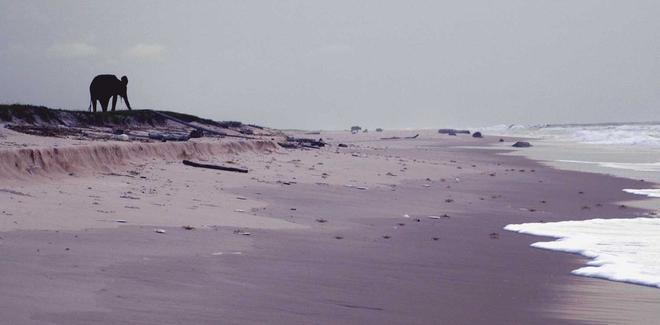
94,105
104,103
114,102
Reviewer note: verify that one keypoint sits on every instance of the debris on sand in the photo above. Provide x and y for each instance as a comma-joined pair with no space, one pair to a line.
159,231
321,220
444,216
522,144
342,145
166,136
399,138
194,134
227,253
120,137
477,135
121,221
494,235
241,232
363,188
188,227
217,167
296,143
453,131
14,192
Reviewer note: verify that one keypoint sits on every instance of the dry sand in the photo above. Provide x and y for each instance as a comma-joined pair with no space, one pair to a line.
329,240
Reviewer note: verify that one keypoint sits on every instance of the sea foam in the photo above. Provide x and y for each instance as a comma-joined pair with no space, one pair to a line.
626,250
651,192
640,167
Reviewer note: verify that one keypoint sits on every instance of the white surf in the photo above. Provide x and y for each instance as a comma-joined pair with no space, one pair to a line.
626,250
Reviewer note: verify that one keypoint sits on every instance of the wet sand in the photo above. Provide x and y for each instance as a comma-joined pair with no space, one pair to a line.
328,241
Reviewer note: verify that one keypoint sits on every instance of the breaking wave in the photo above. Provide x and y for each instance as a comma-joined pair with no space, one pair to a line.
625,250
640,134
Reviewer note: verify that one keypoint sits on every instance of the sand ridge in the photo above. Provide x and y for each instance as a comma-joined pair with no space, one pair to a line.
96,157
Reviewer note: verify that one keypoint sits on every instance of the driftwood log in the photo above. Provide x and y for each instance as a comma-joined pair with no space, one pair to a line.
196,127
293,143
229,169
398,138
454,131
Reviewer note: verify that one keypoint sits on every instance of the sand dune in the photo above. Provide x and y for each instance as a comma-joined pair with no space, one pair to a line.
94,157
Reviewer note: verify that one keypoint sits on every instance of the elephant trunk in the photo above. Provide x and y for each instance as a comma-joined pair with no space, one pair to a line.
126,101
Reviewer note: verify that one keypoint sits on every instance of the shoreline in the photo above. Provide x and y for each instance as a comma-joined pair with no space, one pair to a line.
434,270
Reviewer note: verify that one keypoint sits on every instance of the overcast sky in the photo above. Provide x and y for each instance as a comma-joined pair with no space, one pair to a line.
332,64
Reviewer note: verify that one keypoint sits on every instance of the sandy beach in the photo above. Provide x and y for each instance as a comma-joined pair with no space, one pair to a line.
329,162
406,231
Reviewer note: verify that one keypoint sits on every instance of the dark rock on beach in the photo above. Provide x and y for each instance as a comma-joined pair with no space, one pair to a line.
477,135
196,133
522,144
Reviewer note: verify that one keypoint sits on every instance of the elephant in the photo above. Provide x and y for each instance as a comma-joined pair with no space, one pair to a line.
105,86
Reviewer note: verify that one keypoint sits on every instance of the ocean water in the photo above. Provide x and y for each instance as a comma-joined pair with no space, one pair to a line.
629,134
626,150
622,249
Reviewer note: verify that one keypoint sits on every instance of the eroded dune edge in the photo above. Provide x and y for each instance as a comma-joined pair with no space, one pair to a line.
83,159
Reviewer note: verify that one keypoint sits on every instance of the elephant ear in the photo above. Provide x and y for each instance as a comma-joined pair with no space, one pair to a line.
124,80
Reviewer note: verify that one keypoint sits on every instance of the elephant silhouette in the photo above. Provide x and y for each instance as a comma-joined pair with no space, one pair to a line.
105,86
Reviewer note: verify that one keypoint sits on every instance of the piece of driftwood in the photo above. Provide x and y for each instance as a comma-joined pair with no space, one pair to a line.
294,143
199,127
229,169
398,138
288,145
454,131
168,136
